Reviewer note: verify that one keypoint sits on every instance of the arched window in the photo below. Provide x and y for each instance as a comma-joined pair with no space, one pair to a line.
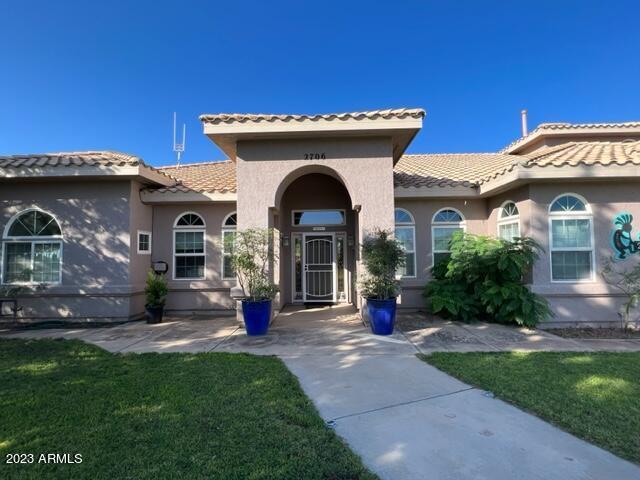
32,249
508,221
444,224
405,232
189,252
229,225
571,239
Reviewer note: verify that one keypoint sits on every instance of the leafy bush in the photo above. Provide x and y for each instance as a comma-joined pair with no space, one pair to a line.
484,279
252,257
156,289
382,257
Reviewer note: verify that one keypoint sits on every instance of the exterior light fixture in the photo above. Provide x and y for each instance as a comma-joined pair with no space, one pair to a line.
350,240
285,240
160,267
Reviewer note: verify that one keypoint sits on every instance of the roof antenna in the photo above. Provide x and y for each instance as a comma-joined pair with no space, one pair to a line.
178,148
525,129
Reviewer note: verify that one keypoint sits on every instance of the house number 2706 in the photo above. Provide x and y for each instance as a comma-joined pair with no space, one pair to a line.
315,156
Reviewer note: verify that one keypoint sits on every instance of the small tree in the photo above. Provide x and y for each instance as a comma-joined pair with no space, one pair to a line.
626,281
252,256
382,257
156,289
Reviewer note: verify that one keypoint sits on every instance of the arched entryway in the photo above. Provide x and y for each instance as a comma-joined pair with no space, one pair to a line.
317,224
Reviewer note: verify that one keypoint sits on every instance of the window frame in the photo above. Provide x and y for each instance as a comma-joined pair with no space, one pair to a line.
293,217
226,229
462,224
189,229
507,220
148,251
412,225
587,214
32,239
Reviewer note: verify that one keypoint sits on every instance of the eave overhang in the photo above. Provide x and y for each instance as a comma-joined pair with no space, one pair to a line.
141,173
401,129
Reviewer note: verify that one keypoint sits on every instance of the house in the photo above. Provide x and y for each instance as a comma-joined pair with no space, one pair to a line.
86,226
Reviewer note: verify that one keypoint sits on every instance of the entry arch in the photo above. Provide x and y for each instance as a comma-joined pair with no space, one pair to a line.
299,172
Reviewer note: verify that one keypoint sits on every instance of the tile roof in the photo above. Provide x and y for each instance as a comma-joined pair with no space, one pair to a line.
450,169
561,127
264,117
73,159
104,158
585,153
202,177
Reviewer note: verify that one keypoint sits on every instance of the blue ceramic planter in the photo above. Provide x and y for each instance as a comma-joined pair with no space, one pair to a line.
256,316
382,315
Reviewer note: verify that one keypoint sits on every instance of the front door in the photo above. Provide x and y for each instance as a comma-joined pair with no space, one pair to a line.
318,260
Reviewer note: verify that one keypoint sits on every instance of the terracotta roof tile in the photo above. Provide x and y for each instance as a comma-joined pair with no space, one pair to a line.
103,158
203,177
586,153
265,117
450,169
560,127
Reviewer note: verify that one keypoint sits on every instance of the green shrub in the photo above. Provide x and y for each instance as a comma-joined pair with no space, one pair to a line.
156,289
484,279
253,255
382,257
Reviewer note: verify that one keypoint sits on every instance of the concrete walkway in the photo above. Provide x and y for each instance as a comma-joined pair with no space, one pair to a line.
406,419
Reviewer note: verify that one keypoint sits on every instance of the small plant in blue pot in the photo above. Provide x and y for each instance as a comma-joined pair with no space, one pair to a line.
382,256
251,259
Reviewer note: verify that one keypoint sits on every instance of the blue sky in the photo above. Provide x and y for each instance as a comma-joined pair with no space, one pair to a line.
108,75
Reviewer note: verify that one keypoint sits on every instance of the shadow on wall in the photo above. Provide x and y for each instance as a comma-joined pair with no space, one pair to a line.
94,221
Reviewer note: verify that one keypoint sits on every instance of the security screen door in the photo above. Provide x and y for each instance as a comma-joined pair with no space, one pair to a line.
319,268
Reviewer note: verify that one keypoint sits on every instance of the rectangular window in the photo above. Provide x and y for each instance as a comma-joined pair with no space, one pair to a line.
32,262
318,217
509,231
189,255
144,243
571,249
442,242
406,237
228,240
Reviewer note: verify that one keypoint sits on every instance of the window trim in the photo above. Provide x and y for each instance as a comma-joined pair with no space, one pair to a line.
33,239
411,225
187,229
148,251
190,212
507,220
344,217
223,254
572,215
462,224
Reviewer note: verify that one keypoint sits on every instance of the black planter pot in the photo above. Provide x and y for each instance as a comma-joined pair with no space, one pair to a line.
154,314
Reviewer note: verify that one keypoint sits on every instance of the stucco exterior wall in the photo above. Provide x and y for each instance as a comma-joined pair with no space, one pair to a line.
94,219
140,219
423,210
194,296
592,302
364,165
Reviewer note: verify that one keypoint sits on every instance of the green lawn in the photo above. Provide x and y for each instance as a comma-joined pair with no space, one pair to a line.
595,396
157,416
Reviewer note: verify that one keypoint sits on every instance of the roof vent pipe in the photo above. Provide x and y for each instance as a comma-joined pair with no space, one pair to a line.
525,130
